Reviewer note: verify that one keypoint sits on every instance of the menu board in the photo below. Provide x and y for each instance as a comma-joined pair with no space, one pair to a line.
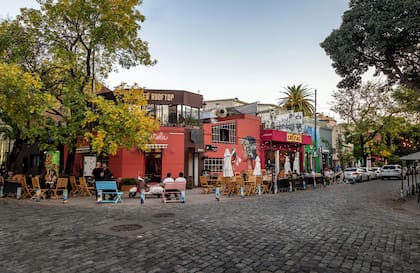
89,163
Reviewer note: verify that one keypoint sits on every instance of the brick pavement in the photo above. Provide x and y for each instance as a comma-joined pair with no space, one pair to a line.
340,228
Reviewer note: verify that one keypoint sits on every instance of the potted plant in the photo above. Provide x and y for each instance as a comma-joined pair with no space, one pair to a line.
127,183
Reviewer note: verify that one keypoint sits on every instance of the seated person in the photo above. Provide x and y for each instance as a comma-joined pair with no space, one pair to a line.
280,175
105,175
167,179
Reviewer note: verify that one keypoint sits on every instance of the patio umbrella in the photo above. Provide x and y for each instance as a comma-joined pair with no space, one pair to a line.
287,168
227,164
296,167
257,168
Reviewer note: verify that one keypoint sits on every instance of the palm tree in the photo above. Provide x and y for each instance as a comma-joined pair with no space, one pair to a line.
297,99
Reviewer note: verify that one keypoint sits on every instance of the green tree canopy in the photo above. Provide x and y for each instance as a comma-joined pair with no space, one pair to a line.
383,34
298,99
367,112
67,47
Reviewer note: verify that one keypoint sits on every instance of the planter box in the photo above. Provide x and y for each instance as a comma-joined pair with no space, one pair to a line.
126,188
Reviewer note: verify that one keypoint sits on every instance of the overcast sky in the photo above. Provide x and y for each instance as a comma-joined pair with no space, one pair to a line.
233,48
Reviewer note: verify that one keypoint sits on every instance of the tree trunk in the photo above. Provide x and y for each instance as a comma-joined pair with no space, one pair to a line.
68,168
13,162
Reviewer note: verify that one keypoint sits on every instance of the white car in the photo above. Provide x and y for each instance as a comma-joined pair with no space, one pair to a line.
355,175
377,170
393,171
370,173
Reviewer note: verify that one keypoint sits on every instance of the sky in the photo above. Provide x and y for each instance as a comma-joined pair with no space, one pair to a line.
250,50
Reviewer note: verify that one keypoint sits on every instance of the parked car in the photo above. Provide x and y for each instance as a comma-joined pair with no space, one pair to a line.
354,175
377,170
393,171
370,173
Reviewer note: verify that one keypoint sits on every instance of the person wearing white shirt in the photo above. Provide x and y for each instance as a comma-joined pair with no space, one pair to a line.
168,178
181,178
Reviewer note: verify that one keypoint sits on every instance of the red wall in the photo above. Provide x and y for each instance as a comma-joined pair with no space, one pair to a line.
246,125
127,163
173,156
131,163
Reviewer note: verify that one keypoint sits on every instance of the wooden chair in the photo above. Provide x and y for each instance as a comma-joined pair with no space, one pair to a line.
62,183
37,188
206,188
227,186
251,185
27,192
75,188
239,183
259,181
84,188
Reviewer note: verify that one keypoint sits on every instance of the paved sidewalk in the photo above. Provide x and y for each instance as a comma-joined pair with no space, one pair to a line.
340,228
193,197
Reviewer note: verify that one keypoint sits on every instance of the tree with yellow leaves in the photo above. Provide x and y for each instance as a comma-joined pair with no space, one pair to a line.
59,53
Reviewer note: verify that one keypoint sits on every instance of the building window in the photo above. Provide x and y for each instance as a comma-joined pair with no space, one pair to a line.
213,165
224,133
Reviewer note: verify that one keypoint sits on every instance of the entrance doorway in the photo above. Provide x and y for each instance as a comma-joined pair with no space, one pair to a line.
153,166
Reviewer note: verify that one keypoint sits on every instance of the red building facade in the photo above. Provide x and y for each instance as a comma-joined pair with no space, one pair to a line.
240,134
177,144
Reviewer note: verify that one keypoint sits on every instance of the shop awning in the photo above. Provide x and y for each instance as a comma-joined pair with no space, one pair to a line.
82,149
157,146
285,137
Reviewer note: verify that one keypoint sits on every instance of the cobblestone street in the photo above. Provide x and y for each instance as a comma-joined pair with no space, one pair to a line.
340,228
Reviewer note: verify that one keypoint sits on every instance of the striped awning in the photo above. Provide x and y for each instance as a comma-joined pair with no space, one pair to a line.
156,146
82,149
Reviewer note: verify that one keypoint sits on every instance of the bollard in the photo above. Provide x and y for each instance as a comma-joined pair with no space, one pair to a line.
259,189
217,193
1,191
18,193
38,195
304,185
182,197
242,192
142,197
99,196
65,196
275,188
290,186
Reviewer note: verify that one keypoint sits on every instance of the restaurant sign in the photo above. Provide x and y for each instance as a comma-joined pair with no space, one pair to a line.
294,138
159,96
160,136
